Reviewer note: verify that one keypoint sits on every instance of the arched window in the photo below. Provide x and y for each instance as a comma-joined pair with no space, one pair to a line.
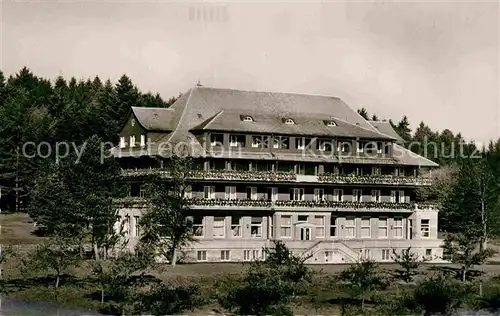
248,118
331,123
289,121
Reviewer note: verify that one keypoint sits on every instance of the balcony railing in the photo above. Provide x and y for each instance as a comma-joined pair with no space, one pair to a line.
374,179
290,203
280,176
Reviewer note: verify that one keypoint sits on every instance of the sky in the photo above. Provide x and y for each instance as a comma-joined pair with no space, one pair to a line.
436,62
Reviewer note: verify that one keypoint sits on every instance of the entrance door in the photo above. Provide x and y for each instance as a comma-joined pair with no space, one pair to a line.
305,233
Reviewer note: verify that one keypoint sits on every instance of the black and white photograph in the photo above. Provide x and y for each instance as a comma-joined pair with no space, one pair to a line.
280,157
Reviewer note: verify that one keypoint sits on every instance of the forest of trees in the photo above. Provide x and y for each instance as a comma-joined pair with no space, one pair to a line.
35,109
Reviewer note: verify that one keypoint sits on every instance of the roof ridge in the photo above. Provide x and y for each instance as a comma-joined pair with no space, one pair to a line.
150,108
182,114
373,131
273,92
213,118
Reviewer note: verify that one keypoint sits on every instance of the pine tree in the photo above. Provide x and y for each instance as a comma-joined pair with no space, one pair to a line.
403,129
364,113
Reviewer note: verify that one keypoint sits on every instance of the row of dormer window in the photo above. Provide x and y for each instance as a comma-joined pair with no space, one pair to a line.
301,143
288,121
132,141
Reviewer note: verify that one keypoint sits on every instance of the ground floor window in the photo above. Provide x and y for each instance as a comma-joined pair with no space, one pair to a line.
386,255
365,227
255,254
246,255
225,255
256,227
398,227
201,255
425,228
137,226
236,226
350,227
219,227
428,253
333,226
198,226
320,226
365,254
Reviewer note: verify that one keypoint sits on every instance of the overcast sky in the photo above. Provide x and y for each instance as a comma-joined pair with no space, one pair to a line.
431,61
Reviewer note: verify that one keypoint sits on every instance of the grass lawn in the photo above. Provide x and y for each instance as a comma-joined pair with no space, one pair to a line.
76,290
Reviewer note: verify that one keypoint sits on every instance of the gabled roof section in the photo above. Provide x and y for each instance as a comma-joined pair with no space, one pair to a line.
154,119
404,156
206,102
386,128
305,124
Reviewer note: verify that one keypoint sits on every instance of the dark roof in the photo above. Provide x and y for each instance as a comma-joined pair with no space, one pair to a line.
305,124
386,128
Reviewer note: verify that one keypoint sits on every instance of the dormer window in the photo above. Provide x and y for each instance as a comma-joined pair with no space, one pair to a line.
247,118
289,121
331,123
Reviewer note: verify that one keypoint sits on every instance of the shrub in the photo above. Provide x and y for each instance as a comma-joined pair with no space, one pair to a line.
164,299
439,295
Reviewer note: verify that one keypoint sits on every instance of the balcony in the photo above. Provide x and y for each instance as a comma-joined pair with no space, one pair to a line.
264,176
280,176
375,179
287,204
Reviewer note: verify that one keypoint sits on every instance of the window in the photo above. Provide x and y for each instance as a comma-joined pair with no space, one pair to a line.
324,145
350,227
122,142
300,168
397,196
333,226
256,227
270,226
132,122
428,253
338,195
300,143
137,232
236,226
386,255
255,254
331,123
425,228
260,141
216,139
297,194
398,227
286,226
225,255
344,147
142,190
132,141
289,121
379,147
246,255
230,193
201,255
272,194
252,193
319,194
303,218
198,226
361,147
209,192
365,227
143,140
376,171
188,192
382,227
320,226
365,254
247,118
376,195
357,195
281,142
236,140
219,227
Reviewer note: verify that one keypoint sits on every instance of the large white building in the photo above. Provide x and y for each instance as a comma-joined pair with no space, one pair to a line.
304,169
